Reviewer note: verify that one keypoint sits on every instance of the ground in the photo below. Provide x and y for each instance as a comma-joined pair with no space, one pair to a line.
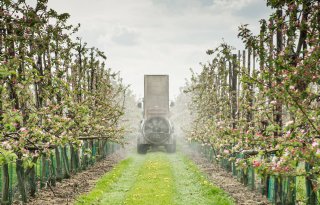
66,191
156,178
241,194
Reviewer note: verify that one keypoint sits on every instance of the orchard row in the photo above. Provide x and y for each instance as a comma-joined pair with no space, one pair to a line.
263,103
55,89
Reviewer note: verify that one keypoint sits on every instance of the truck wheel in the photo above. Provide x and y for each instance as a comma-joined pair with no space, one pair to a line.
142,149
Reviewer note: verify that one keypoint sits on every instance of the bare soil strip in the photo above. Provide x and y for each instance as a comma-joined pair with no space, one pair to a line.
241,194
66,191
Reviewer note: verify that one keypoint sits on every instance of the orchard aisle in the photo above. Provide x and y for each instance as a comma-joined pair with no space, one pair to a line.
155,178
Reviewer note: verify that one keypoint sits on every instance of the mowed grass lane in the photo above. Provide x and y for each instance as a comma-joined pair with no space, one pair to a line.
157,178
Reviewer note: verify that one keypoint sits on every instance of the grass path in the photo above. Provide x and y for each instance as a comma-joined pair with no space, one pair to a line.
192,187
154,184
155,179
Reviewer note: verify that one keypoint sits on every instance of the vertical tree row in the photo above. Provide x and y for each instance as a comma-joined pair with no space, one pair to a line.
263,105
55,92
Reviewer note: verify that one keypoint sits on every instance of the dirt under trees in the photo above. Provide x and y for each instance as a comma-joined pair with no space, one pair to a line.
241,194
67,190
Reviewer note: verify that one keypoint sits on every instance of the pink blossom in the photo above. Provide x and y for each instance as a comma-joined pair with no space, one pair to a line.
288,134
315,144
286,168
23,129
226,151
259,134
256,163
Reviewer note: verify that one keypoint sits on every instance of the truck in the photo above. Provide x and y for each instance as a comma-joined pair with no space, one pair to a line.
156,128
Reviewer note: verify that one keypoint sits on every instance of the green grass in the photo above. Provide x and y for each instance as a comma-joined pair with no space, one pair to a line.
104,184
155,179
154,184
117,192
195,188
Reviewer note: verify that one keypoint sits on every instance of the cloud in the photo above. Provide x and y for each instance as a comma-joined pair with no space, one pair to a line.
256,9
182,4
125,36
231,4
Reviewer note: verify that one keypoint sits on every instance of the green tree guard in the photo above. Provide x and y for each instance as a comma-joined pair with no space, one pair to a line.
271,189
291,196
280,193
311,194
65,163
52,171
112,149
85,155
20,178
58,164
104,142
252,178
43,179
277,190
94,151
32,182
10,181
108,148
100,150
72,159
228,165
91,145
245,177
76,159
5,184
234,169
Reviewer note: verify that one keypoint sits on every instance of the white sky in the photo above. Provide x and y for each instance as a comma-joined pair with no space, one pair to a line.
160,36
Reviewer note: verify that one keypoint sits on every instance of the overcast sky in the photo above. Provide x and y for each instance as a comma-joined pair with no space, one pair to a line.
160,36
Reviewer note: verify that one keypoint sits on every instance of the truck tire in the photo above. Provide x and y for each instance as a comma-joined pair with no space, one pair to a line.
142,148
